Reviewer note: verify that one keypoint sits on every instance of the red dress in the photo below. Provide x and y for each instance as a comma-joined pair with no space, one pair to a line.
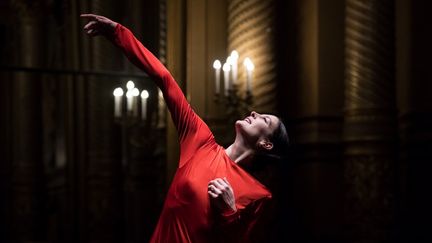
187,215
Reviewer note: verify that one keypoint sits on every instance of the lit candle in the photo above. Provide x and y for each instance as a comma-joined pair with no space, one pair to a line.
234,58
135,94
144,97
130,85
129,97
226,68
129,100
249,66
118,95
217,67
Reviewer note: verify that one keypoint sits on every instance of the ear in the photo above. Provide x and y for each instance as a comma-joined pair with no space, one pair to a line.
265,144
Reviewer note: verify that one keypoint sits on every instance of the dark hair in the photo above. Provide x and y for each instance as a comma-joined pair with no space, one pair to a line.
268,166
280,141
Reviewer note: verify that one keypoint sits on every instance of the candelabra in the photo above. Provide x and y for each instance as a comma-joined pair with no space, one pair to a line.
236,104
140,129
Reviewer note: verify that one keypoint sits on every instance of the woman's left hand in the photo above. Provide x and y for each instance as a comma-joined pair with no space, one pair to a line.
221,194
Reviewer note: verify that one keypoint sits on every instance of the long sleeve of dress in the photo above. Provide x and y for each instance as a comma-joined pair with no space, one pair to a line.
187,122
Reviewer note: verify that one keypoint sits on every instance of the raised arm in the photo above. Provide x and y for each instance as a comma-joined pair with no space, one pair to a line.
185,119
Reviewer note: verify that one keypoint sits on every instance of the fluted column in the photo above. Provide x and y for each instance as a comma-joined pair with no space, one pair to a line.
370,121
251,33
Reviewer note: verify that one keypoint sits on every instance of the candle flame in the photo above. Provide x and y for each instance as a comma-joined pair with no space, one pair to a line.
135,92
217,64
234,55
144,94
118,92
130,85
248,64
230,60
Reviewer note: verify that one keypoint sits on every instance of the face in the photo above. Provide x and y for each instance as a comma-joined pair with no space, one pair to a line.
257,127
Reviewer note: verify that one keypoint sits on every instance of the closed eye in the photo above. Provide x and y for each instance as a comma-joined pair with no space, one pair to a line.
268,121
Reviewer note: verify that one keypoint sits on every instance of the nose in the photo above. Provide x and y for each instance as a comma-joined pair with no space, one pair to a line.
254,114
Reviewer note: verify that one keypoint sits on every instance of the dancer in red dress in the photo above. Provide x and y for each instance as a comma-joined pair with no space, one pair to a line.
212,197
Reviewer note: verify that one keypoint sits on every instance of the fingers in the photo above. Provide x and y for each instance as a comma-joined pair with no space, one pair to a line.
212,194
215,190
89,16
92,32
89,25
221,184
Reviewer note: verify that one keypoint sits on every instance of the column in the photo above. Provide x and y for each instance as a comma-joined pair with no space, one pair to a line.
369,120
311,80
27,199
251,33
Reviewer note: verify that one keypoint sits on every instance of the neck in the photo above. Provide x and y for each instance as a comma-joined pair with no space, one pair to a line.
239,153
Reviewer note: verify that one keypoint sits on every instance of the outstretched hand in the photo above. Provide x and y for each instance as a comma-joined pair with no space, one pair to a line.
221,194
98,25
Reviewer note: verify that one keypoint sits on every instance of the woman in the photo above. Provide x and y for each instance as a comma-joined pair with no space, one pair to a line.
212,197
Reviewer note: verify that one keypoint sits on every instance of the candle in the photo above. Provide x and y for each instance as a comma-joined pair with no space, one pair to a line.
217,67
226,68
135,94
249,66
144,97
118,95
234,58
129,97
129,100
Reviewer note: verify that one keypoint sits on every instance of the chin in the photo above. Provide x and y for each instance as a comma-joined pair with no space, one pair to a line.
239,122
239,126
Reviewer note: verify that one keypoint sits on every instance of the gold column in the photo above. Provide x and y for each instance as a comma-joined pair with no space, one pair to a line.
176,59
251,33
370,121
